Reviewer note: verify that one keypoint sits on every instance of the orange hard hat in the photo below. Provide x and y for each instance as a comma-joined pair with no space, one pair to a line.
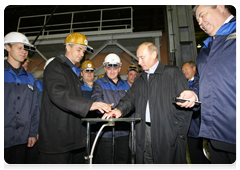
78,38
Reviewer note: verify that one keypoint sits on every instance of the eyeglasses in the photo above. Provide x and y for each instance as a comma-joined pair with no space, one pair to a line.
132,67
89,71
90,50
113,65
29,48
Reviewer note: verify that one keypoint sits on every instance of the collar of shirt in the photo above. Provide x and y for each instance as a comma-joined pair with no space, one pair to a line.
228,19
152,69
68,61
75,69
191,79
119,79
15,70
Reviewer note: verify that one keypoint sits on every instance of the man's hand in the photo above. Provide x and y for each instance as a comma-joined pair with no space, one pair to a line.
102,107
31,141
117,113
190,95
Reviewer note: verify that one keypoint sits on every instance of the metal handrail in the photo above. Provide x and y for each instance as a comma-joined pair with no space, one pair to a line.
71,24
47,31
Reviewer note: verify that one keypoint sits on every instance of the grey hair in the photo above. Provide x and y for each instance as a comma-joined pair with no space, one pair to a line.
70,44
228,7
191,63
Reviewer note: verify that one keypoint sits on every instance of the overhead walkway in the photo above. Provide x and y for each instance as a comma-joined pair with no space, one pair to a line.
108,30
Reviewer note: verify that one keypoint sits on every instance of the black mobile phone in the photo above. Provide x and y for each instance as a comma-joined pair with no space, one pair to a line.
177,99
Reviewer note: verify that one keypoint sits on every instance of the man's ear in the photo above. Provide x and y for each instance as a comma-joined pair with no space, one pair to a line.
68,47
8,47
119,69
221,8
194,68
154,55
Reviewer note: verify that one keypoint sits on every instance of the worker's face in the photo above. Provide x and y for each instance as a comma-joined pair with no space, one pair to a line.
75,53
188,71
16,52
209,19
146,59
112,72
87,75
131,76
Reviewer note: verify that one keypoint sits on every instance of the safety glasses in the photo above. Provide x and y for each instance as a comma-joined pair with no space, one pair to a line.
89,49
132,67
29,48
89,71
113,65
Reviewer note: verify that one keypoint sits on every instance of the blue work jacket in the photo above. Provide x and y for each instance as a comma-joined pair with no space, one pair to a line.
195,122
21,111
105,91
217,85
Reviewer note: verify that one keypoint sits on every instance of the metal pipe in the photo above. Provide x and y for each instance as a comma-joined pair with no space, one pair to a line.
44,25
110,123
88,139
113,143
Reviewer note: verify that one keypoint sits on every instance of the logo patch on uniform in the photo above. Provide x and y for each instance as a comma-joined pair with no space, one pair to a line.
231,36
85,42
30,87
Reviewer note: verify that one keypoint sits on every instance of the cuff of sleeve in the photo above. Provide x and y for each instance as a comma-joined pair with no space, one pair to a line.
33,134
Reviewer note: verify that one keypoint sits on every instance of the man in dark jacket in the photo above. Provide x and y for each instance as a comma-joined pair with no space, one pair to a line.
61,133
161,136
217,84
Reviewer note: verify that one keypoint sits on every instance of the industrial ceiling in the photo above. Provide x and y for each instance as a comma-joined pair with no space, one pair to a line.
145,17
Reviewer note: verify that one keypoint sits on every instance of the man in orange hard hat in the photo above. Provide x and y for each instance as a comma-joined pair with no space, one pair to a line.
61,133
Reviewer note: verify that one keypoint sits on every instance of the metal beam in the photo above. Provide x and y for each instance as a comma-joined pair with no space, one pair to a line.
98,68
126,58
99,50
41,55
59,38
126,50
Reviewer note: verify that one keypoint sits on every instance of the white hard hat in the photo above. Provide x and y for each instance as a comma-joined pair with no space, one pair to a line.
16,37
112,59
48,61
